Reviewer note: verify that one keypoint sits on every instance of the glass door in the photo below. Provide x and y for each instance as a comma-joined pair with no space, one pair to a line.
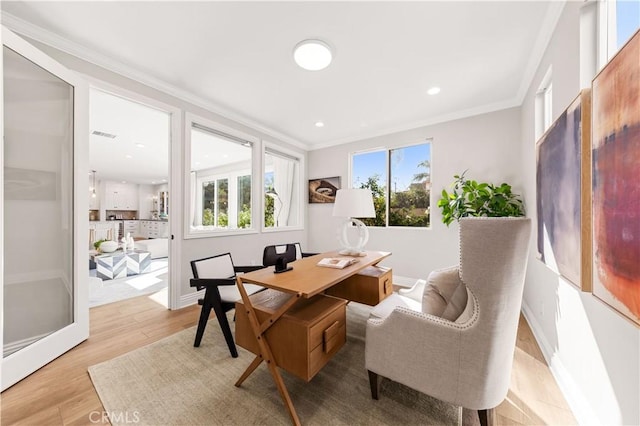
44,156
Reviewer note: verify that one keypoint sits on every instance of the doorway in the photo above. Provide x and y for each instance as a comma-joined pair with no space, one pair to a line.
129,156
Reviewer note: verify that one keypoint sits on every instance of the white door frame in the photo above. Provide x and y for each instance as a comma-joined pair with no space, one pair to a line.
175,195
25,361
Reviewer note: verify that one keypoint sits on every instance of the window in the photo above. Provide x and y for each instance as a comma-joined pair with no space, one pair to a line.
220,180
400,180
622,20
544,103
282,189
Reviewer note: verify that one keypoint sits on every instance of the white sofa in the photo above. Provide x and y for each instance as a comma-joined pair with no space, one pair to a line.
158,247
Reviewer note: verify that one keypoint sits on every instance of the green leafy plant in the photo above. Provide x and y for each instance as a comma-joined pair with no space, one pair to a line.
96,245
470,198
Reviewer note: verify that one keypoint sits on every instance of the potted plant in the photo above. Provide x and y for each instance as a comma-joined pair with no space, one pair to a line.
470,198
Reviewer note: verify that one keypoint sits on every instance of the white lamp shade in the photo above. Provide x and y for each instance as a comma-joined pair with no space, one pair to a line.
354,203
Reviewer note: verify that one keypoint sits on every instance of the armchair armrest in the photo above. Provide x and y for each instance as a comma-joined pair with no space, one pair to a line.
414,292
245,269
419,350
201,283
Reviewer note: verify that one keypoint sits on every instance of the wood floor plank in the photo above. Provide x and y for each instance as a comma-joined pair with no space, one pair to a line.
61,393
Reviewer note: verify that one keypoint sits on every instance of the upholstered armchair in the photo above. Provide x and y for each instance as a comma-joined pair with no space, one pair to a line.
453,337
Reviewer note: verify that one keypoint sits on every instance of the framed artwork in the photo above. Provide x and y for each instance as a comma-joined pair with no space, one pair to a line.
563,193
323,190
616,182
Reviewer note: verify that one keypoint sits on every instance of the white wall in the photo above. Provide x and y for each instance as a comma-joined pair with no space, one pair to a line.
488,145
245,249
593,351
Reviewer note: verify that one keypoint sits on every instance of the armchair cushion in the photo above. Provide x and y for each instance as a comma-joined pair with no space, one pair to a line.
445,295
384,308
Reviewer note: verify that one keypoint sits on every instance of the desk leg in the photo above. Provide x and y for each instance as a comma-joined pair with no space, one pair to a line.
259,331
256,362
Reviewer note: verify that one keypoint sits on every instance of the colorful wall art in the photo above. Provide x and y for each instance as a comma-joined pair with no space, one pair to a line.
563,193
616,181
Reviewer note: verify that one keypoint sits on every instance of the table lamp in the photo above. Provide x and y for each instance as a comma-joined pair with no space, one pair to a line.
353,203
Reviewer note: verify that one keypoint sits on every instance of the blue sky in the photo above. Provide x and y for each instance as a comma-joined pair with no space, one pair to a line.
628,19
404,165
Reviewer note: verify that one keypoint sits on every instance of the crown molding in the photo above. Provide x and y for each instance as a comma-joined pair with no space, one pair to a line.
471,112
542,41
49,38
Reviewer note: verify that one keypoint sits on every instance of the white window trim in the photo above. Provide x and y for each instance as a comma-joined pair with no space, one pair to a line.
190,233
302,187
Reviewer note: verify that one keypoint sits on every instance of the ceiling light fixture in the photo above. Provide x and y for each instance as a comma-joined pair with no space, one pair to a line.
312,55
139,145
319,124
128,156
433,91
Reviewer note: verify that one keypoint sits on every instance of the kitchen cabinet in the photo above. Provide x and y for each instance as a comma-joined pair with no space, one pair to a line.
154,229
120,196
131,227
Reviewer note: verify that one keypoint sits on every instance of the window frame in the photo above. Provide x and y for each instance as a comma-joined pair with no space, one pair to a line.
544,104
301,190
387,150
607,32
189,232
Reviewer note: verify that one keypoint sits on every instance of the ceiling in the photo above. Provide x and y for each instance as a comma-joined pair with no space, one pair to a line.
235,58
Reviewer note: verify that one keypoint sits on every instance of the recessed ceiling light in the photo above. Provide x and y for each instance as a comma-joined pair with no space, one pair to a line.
164,180
128,156
319,124
153,181
139,145
433,91
124,181
312,55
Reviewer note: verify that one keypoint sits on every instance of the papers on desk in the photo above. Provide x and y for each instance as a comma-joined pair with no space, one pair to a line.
337,262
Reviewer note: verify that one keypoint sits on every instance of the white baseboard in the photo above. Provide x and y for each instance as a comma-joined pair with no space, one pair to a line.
578,404
190,299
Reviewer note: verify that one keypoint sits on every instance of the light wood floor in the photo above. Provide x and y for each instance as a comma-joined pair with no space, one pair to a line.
61,392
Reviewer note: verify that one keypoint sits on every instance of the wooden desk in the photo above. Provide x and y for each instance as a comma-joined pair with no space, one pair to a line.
306,280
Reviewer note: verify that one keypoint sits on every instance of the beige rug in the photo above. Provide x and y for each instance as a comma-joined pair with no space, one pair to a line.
172,383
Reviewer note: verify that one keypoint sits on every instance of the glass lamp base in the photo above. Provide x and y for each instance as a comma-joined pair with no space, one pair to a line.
357,249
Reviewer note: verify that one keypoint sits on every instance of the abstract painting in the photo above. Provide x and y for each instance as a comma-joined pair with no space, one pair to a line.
563,193
616,181
323,190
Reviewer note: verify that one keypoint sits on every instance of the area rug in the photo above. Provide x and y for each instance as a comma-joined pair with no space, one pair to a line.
172,383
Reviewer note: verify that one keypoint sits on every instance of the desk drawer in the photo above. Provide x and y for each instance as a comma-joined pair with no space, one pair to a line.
304,339
369,286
